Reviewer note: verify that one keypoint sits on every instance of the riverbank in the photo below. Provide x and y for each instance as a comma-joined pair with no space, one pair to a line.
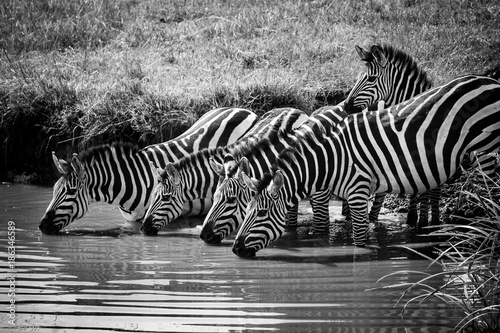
79,73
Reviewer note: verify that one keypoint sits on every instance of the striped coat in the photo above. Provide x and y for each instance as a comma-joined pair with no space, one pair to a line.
121,175
410,148
196,177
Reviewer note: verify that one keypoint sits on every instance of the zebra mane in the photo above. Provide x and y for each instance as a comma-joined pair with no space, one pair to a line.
264,182
402,59
289,155
87,155
204,153
243,147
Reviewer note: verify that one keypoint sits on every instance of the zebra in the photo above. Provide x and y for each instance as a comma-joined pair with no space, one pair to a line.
121,175
232,196
409,148
391,77
196,176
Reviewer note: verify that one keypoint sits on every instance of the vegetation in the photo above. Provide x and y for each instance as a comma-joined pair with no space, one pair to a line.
470,272
82,72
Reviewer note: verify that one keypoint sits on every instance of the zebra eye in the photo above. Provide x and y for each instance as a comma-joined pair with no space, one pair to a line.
262,212
371,78
71,191
166,197
231,199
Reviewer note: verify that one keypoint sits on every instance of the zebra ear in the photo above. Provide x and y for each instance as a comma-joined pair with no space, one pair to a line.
61,165
277,183
243,165
252,183
229,165
173,173
158,173
363,54
216,166
378,55
77,166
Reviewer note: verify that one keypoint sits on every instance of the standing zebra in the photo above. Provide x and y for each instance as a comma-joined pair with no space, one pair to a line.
256,159
197,175
392,76
409,148
121,175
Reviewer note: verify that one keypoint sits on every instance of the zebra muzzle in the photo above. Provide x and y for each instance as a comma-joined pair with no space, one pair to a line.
148,227
241,250
208,236
47,225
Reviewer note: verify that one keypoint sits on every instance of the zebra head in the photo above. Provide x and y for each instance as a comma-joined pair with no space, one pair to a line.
166,200
230,200
265,216
70,199
374,84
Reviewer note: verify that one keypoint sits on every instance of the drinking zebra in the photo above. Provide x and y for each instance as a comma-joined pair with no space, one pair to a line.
410,148
232,195
198,175
121,175
392,76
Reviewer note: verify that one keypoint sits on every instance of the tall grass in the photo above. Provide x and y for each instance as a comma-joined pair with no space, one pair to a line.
470,267
46,25
90,71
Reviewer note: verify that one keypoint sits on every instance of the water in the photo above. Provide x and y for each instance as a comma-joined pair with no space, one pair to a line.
97,279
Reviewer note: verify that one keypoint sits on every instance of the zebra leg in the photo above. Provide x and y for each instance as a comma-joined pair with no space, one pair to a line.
359,210
412,216
423,216
291,218
376,207
434,197
345,210
321,217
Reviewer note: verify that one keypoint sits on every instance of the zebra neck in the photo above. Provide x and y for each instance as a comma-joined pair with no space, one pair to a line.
264,154
162,153
416,83
314,168
197,176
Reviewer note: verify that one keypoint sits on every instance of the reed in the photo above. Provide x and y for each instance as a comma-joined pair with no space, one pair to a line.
469,261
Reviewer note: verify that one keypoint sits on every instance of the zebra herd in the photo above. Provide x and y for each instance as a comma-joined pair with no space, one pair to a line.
249,175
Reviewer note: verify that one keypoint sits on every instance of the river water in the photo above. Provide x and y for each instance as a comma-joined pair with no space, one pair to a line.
94,278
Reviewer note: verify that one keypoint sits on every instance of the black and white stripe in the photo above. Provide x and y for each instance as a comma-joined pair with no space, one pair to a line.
121,175
410,148
255,159
198,175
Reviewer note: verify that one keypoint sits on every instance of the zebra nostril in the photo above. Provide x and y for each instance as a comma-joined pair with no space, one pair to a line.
47,225
209,237
241,250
